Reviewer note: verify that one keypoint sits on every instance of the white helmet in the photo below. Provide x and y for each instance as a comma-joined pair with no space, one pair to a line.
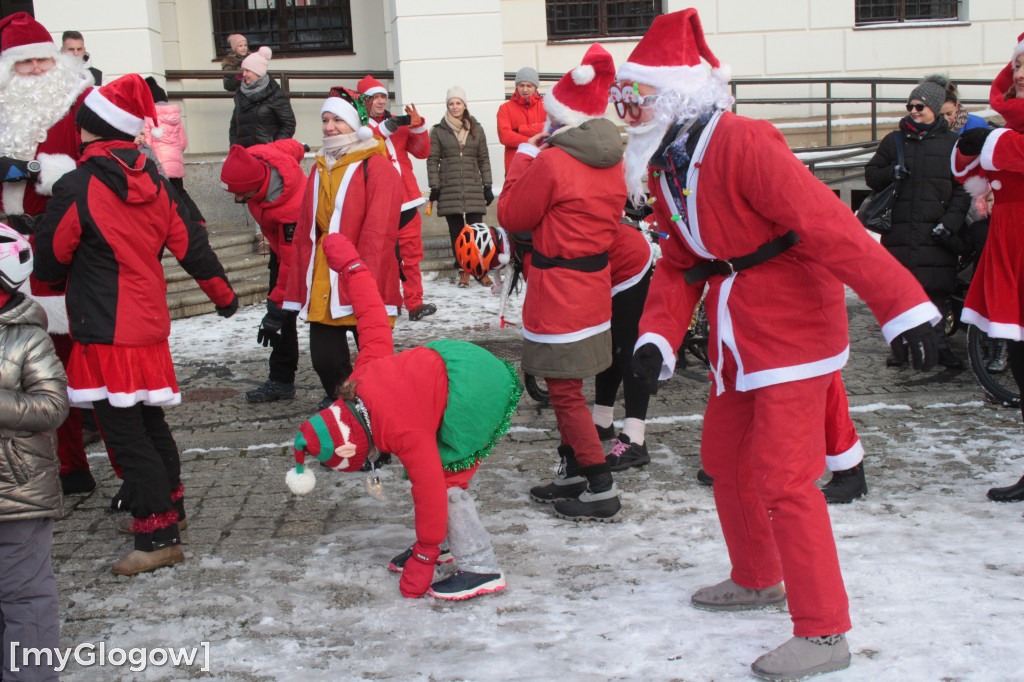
15,259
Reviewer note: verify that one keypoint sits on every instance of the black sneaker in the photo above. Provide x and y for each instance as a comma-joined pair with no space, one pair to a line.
398,563
324,403
466,585
270,391
703,478
624,454
80,481
605,432
846,486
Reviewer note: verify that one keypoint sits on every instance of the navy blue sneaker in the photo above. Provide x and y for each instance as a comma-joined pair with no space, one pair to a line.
271,391
466,585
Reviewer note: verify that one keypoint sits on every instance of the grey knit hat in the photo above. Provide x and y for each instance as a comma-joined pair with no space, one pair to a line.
529,75
932,94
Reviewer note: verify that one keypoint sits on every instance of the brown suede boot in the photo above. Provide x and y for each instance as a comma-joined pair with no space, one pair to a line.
137,561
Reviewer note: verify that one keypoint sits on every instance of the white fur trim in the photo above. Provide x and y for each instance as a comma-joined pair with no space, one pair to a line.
677,78
977,186
997,330
376,90
528,149
31,51
56,312
989,150
13,197
300,484
955,156
842,461
1016,51
723,72
583,74
635,279
668,355
113,114
557,111
421,129
84,397
918,315
996,184
780,375
568,337
52,167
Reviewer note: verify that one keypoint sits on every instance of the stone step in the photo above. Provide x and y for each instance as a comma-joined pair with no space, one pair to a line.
174,273
191,302
237,274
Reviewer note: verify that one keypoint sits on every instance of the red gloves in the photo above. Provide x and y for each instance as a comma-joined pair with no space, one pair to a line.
419,570
342,256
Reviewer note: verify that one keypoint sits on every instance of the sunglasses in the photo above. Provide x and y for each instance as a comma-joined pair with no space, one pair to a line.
916,107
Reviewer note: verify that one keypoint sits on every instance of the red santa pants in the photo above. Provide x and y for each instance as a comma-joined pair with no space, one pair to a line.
575,425
764,449
70,450
842,446
410,247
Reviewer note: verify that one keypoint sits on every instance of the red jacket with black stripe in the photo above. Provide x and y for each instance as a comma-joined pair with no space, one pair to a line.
105,230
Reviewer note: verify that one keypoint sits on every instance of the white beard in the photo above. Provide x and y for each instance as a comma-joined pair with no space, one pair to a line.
31,105
641,143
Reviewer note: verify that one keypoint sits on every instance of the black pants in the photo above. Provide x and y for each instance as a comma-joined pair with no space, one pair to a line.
186,200
457,221
627,307
148,456
284,357
329,354
1015,358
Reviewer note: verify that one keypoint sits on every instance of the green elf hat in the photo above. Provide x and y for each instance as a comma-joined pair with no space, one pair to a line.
333,436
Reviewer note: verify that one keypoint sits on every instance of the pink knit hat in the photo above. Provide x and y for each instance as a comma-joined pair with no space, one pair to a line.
236,39
258,61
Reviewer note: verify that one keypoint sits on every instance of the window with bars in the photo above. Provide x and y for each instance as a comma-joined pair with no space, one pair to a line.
570,19
900,11
295,27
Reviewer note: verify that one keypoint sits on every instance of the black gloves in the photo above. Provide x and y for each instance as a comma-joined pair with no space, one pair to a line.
230,309
971,141
647,362
305,146
922,345
488,195
941,234
15,170
269,332
435,194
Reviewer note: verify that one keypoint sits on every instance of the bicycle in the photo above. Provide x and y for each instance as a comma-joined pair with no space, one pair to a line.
986,355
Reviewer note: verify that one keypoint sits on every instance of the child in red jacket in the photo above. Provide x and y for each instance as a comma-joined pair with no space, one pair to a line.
464,398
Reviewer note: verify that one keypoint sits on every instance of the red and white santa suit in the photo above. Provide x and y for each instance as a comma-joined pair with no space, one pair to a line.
25,114
404,141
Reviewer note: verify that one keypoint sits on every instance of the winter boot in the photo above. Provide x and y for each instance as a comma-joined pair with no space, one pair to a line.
999,357
728,596
153,550
398,563
624,454
599,502
421,311
605,432
80,481
463,279
703,478
466,585
846,485
1011,493
802,657
568,483
270,391
949,359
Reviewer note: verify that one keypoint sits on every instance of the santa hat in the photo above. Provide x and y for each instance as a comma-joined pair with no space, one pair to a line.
118,109
370,86
22,37
1017,51
242,172
582,94
258,61
335,436
668,56
343,109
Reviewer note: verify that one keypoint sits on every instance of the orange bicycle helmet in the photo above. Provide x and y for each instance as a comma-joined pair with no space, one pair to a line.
475,249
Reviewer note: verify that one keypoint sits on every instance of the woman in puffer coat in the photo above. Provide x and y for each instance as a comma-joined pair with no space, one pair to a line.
33,402
170,146
262,111
459,170
930,208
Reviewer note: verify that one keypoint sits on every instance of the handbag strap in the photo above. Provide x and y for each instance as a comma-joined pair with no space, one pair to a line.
899,156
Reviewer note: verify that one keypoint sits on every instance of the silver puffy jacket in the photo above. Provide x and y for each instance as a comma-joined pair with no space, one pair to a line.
33,402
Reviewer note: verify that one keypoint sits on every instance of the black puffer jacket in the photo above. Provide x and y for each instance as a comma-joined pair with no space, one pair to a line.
261,117
460,173
929,196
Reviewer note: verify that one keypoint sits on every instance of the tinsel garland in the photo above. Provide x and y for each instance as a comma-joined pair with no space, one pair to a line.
155,522
500,430
178,493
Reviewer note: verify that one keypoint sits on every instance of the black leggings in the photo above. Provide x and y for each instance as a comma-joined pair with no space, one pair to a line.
1015,358
457,221
627,307
329,354
284,356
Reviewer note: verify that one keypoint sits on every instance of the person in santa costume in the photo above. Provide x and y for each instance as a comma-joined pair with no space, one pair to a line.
41,89
353,189
103,233
270,181
774,246
403,136
986,161
456,401
566,187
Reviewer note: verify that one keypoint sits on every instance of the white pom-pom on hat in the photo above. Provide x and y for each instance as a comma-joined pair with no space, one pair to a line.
583,74
156,132
977,186
364,133
996,184
300,484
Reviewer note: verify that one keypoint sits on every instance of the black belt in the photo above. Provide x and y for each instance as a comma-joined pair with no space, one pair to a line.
727,267
595,263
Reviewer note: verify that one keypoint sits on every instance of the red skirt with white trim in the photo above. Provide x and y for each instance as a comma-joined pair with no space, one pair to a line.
124,376
995,301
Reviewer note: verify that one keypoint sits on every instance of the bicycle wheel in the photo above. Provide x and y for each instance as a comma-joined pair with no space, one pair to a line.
981,350
537,389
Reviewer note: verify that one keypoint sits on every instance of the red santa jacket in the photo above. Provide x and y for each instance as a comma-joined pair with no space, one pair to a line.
519,119
784,319
104,231
277,219
366,210
400,144
573,210
630,256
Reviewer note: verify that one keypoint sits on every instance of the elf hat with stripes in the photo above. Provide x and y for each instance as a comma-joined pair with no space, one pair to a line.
334,436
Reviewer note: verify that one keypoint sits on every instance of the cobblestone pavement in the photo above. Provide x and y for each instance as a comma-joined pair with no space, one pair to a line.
234,458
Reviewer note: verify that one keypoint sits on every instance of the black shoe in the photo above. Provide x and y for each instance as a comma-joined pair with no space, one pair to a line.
383,459
568,483
998,352
270,391
324,403
89,437
77,482
605,432
846,485
949,360
703,478
421,311
624,454
599,502
1011,493
466,585
894,361
398,563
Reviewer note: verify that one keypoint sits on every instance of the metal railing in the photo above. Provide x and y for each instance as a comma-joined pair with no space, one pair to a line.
284,78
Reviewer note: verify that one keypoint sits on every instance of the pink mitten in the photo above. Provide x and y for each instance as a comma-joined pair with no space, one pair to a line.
419,570
342,255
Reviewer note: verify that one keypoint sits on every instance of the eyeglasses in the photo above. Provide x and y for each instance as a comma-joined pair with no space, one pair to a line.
916,107
27,66
627,101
